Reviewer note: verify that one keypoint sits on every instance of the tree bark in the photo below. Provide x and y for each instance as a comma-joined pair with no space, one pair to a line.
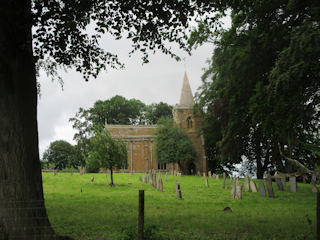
22,210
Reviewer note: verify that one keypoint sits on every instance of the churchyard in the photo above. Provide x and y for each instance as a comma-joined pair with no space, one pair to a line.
84,207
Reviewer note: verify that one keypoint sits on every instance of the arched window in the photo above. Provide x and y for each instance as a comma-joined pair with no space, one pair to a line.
189,122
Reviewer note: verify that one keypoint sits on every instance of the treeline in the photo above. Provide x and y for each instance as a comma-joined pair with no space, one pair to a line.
261,90
89,124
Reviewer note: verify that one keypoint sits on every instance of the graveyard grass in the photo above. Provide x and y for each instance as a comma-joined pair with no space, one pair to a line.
85,210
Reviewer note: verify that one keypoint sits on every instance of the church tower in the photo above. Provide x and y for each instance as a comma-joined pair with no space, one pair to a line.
184,116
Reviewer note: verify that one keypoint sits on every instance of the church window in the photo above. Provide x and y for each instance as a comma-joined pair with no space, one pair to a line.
189,122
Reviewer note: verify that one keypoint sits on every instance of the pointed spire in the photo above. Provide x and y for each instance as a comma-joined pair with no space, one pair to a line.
186,98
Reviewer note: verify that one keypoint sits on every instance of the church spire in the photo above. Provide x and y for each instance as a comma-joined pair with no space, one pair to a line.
186,97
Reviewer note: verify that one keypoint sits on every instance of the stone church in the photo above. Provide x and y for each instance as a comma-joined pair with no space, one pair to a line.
140,139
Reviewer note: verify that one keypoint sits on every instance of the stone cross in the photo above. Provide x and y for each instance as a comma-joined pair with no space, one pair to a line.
293,184
178,191
247,183
262,190
269,187
253,186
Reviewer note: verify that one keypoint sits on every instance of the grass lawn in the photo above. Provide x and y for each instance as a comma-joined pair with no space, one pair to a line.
85,210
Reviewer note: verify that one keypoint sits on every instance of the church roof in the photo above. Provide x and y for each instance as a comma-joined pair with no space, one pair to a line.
186,97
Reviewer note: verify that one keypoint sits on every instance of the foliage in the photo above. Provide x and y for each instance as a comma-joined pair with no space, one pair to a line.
107,152
70,210
61,154
262,83
172,144
155,111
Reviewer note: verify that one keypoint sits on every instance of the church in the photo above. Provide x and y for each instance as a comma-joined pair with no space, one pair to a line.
140,140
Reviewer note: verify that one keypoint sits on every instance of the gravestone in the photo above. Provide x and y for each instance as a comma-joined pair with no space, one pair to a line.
209,174
238,190
279,183
314,178
160,187
262,190
178,191
314,187
253,186
269,187
206,181
233,189
217,176
293,184
204,174
55,173
92,179
283,181
246,183
224,180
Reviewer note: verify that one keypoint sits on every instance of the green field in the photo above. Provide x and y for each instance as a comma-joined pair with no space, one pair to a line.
85,210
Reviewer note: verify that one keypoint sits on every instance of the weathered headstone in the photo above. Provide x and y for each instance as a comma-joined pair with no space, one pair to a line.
160,187
92,179
283,181
217,176
246,183
238,190
269,187
198,173
209,174
253,186
178,191
224,180
279,183
313,183
206,182
233,189
293,184
204,174
262,190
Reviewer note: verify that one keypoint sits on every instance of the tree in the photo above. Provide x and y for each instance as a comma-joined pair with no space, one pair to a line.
172,144
59,40
107,152
155,111
61,154
262,85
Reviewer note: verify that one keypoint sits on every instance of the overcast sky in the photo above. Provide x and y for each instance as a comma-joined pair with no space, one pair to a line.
159,80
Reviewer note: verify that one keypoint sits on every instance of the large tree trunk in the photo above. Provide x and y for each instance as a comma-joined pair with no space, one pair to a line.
22,211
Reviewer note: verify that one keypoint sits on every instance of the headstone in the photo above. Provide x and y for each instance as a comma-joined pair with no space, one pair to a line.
238,190
204,174
314,178
269,187
279,184
55,173
209,174
246,183
314,187
217,176
92,179
206,181
233,189
262,190
160,187
224,180
283,181
293,184
198,173
253,186
178,191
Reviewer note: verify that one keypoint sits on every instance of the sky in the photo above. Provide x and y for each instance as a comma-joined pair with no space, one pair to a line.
159,80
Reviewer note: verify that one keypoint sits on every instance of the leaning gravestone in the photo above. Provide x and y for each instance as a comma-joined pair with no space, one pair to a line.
246,183
224,180
262,190
279,183
238,190
293,184
253,186
178,191
269,187
283,181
